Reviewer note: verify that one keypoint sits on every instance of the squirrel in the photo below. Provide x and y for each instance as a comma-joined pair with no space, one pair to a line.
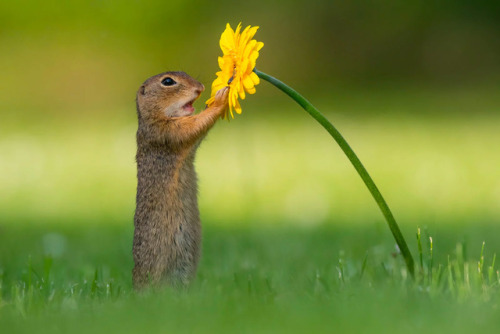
167,227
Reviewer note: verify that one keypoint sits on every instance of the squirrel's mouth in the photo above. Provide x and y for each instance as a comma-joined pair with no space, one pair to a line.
188,107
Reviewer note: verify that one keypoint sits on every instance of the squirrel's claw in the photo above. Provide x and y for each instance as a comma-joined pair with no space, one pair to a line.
221,98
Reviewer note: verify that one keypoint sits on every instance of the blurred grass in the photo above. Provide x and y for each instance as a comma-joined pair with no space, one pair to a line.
271,164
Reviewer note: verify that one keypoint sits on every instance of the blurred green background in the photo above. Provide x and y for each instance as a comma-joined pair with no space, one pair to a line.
412,85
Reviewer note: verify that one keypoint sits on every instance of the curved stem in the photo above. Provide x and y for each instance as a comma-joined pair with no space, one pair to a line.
393,226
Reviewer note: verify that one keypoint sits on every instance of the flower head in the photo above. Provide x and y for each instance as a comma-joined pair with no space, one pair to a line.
237,63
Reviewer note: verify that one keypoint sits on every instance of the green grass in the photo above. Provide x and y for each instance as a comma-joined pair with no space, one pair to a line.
292,240
250,280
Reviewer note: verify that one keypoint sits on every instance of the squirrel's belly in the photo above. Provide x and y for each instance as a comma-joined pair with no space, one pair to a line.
167,239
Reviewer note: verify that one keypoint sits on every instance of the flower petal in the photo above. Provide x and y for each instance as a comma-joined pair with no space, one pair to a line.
237,108
237,36
240,53
227,42
249,48
210,100
241,90
255,78
221,62
249,85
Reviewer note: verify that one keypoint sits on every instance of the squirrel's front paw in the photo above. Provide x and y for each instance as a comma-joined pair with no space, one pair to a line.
221,98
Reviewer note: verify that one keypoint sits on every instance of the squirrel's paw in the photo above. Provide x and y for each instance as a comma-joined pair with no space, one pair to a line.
221,98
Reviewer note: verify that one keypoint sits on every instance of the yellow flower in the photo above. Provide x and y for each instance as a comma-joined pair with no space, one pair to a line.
240,53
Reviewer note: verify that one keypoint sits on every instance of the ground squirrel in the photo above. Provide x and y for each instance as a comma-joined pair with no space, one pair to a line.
167,235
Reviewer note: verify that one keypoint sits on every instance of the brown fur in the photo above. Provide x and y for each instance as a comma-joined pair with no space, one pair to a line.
167,235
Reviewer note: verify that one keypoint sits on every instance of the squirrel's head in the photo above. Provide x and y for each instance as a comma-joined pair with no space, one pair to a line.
169,94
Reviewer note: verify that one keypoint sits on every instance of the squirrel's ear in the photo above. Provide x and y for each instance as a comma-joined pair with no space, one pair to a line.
142,90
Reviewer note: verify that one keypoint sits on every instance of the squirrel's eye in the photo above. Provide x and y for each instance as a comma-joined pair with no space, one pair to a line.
168,81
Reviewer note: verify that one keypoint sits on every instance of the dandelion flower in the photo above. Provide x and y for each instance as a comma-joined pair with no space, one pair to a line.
237,63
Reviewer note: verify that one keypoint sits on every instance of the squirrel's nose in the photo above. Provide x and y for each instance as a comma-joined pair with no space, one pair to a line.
199,91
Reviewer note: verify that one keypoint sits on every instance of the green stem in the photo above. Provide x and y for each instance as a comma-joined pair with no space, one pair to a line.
393,226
